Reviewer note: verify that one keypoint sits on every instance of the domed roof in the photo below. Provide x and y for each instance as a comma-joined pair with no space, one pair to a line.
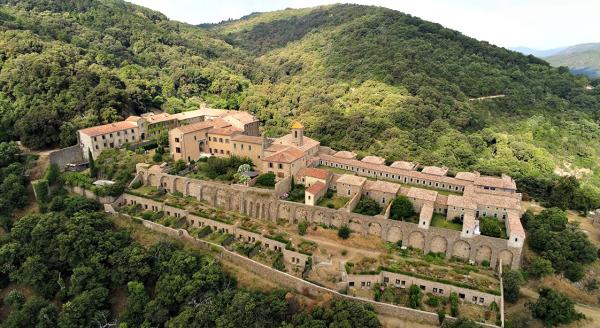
297,125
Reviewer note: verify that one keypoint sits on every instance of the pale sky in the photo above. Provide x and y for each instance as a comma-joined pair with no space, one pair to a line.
539,24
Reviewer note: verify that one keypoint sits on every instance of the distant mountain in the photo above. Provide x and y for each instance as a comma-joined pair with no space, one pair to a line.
582,59
537,52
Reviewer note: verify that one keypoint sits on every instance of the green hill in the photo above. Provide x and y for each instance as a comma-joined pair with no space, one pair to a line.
581,59
361,78
379,81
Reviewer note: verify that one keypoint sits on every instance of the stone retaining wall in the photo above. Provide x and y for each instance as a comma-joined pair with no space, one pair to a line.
301,286
366,281
265,204
64,156
196,221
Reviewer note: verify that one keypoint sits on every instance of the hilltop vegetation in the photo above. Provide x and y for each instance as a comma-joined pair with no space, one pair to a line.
366,79
581,59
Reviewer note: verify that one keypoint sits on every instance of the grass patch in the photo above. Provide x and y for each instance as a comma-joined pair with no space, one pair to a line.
332,200
440,221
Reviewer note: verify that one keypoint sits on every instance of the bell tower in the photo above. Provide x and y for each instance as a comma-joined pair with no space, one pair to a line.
297,133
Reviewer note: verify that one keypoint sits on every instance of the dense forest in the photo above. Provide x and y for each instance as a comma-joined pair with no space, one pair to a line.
69,265
361,78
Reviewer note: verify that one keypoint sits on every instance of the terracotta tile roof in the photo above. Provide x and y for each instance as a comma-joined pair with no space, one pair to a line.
345,154
353,180
469,221
441,199
514,226
162,117
189,114
226,131
315,188
426,213
108,128
496,200
435,170
248,139
468,176
288,155
288,140
133,118
423,194
241,116
276,148
373,160
504,182
383,186
194,127
460,201
314,173
395,171
403,165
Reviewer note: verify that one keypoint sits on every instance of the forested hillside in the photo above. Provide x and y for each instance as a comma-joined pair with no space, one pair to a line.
66,65
367,79
581,59
379,81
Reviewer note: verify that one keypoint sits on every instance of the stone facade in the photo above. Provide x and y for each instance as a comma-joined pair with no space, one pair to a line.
196,221
265,204
404,281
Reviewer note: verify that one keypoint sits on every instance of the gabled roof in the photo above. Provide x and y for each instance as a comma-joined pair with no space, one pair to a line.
435,170
383,186
194,127
315,188
504,182
288,140
241,116
288,155
468,176
403,165
461,201
226,131
373,160
423,194
108,128
248,139
345,154
353,180
314,173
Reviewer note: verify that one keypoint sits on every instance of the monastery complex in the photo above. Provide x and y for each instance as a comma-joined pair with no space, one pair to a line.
296,158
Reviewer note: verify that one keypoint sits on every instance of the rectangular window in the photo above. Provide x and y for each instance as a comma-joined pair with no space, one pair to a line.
351,284
178,150
250,147
220,139
280,166
176,139
271,165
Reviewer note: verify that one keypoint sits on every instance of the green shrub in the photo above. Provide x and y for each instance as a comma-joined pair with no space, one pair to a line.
485,263
540,267
344,232
266,180
278,262
401,208
302,227
554,308
42,191
441,315
490,227
454,304
414,296
512,281
367,206
432,300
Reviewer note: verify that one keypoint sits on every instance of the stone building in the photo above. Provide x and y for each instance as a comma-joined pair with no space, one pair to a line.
109,136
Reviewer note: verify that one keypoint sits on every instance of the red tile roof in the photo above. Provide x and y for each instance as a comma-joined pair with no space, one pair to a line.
315,188
108,128
288,155
315,173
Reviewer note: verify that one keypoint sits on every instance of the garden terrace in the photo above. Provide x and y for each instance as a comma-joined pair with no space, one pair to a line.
440,221
331,199
433,267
